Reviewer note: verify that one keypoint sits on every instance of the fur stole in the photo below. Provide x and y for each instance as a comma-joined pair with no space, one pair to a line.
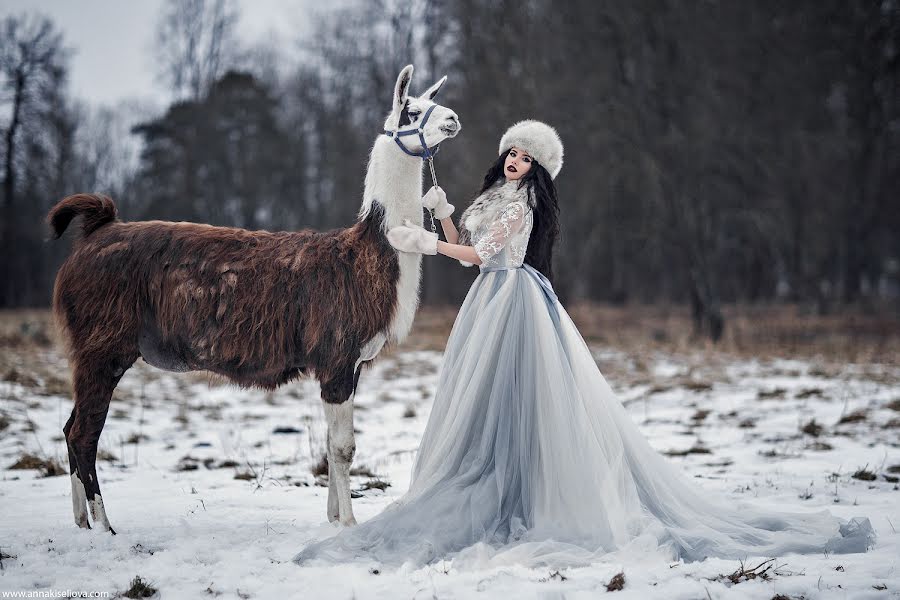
486,208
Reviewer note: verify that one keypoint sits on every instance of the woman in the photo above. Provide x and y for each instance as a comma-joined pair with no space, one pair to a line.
528,457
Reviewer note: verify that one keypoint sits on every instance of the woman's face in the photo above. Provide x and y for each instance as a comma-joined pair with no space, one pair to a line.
517,163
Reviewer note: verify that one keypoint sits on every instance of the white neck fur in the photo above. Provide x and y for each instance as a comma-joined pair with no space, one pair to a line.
394,179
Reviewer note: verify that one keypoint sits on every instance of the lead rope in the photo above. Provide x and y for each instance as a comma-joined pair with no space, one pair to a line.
434,179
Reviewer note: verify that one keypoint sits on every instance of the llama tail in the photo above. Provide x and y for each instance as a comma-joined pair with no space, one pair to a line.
95,211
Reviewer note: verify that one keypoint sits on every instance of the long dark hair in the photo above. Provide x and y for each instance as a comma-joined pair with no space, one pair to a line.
544,203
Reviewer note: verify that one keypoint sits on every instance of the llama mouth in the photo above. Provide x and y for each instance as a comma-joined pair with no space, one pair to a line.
449,130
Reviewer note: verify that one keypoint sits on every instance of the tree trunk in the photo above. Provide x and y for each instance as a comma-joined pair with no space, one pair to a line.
9,190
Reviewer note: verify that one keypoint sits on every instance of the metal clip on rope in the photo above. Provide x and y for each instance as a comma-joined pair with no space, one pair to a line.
433,179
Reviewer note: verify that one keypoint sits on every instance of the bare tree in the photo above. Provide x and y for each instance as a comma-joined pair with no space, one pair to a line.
196,43
33,72
107,151
715,152
871,113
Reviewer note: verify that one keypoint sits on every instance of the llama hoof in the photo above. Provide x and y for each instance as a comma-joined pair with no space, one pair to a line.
348,522
105,527
82,523
333,518
98,514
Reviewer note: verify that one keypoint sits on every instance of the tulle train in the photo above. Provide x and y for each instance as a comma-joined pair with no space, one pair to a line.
529,458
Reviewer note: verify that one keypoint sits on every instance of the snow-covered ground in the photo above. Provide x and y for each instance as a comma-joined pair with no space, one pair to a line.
211,487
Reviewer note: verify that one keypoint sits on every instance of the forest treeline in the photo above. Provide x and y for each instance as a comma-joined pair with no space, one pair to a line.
715,152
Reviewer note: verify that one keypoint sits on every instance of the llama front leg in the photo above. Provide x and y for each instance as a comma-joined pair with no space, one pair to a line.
338,395
341,449
334,512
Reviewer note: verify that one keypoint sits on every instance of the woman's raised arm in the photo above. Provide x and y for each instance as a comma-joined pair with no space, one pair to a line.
450,231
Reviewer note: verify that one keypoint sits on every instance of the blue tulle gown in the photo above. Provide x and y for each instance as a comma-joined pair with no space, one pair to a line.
529,457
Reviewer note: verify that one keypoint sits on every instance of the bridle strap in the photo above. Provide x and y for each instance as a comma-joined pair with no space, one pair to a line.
425,153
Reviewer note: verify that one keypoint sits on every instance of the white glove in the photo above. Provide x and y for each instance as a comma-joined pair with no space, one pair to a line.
412,238
435,199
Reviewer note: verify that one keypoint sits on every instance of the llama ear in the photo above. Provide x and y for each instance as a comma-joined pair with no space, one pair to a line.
401,89
431,92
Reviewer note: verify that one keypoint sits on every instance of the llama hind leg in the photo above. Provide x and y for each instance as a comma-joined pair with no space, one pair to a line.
79,499
94,383
86,435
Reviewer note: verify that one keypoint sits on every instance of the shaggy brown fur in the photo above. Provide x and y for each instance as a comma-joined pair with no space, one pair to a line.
258,307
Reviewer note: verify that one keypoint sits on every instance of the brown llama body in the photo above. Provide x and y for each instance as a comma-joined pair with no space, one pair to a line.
259,307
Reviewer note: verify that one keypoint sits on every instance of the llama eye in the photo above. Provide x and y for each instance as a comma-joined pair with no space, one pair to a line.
415,113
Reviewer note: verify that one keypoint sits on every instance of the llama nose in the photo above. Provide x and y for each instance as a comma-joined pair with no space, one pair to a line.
453,122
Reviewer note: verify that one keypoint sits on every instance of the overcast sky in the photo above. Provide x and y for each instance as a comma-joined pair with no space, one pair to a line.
113,39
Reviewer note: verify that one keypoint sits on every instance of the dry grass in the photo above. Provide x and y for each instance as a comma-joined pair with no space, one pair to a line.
616,583
854,417
763,333
320,468
554,575
812,428
26,328
374,484
759,331
864,474
32,355
107,456
744,574
750,331
47,467
363,471
818,446
139,589
696,449
776,394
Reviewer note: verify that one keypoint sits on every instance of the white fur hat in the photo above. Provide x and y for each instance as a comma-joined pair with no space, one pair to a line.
537,139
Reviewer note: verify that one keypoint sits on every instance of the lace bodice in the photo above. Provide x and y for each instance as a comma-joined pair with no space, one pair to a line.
503,242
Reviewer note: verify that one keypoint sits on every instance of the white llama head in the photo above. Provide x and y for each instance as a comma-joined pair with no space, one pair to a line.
408,111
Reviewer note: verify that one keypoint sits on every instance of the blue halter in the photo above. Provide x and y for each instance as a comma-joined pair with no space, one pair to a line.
425,153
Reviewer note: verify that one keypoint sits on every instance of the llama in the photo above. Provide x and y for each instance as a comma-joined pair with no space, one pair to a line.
260,308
